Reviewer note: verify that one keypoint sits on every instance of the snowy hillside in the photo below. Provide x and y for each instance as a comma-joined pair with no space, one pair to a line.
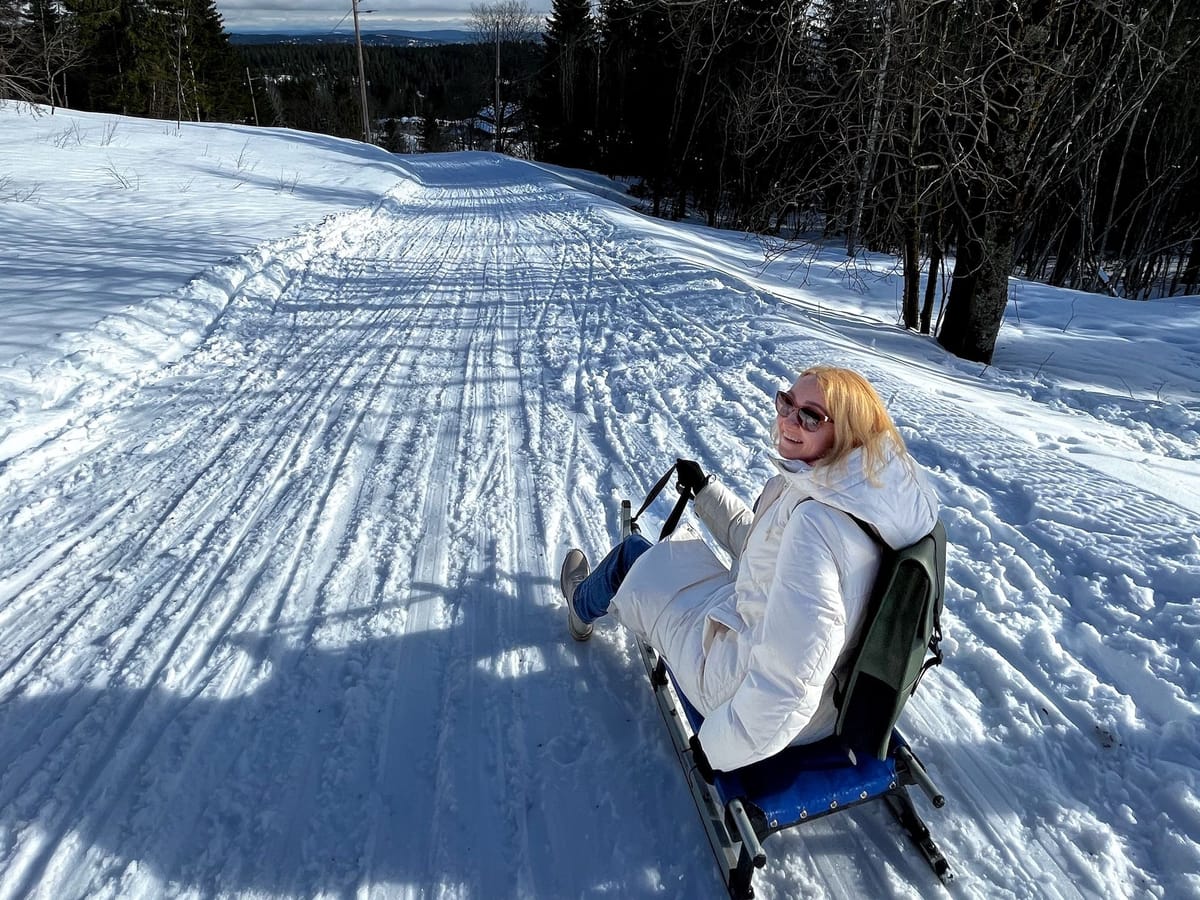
294,433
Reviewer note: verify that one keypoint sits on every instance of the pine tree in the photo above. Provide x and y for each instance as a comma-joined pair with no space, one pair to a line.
566,103
614,89
654,71
161,58
220,91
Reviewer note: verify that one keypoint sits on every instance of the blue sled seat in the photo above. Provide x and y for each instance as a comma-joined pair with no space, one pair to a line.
796,786
803,783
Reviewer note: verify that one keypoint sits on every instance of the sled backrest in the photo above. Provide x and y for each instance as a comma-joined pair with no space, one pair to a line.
900,639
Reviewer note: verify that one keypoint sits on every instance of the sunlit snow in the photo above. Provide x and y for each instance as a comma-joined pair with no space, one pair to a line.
294,434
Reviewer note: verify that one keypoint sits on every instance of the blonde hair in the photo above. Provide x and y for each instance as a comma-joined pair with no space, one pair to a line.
859,420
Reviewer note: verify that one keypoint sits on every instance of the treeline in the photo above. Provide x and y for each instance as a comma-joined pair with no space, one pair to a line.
173,59
1056,139
167,59
314,87
1053,139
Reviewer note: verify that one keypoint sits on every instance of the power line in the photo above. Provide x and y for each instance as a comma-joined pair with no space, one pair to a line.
339,24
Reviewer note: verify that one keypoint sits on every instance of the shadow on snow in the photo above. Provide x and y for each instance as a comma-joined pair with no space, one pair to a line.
453,757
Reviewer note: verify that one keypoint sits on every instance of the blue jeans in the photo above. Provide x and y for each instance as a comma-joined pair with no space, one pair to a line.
595,592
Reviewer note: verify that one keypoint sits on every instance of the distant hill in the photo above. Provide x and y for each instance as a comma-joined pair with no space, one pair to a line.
374,37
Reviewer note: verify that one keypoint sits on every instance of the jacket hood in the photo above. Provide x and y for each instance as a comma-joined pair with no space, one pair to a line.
901,504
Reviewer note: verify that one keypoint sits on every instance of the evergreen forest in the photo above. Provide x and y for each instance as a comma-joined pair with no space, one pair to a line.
1058,140
314,87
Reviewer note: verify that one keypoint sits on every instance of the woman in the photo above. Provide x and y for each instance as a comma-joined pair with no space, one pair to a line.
758,650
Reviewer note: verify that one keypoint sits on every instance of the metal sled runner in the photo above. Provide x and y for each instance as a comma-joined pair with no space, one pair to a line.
740,809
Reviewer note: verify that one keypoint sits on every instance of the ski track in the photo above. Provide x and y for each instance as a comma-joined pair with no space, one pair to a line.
286,624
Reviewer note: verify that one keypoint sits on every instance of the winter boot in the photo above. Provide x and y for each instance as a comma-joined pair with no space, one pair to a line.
575,568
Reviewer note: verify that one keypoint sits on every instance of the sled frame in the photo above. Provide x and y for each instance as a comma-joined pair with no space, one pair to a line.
735,833
738,851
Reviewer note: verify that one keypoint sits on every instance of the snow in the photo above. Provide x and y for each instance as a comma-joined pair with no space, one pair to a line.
294,434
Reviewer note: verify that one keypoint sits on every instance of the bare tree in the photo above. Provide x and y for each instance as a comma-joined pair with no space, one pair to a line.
513,20
898,119
1049,88
38,45
19,70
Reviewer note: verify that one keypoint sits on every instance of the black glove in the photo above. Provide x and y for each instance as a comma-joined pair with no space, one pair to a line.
691,476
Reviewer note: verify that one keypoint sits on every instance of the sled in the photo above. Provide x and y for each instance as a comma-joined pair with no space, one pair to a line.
866,760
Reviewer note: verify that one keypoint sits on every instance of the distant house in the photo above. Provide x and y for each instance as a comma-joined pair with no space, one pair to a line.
512,128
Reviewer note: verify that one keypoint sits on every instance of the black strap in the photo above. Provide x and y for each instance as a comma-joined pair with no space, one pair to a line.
934,647
685,494
868,528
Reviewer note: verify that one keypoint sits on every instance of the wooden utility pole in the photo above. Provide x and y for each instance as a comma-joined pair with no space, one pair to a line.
253,102
362,76
496,108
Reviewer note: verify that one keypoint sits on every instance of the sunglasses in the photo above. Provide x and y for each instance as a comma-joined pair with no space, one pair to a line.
807,417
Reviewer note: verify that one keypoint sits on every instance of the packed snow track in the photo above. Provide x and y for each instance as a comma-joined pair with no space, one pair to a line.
282,618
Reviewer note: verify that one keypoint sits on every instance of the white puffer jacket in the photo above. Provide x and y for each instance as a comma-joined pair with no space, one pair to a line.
756,649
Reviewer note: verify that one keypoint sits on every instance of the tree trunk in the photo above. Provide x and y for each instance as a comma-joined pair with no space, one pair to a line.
856,214
1068,253
912,272
1191,274
935,263
979,290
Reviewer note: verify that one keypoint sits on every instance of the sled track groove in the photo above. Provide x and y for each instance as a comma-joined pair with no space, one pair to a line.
298,591
320,421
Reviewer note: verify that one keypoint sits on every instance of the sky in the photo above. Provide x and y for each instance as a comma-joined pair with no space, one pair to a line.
294,434
316,15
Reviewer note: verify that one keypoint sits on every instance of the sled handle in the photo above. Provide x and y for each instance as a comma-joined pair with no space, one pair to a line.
747,833
685,494
921,777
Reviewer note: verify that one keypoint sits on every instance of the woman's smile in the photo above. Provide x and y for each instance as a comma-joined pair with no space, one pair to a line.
794,441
